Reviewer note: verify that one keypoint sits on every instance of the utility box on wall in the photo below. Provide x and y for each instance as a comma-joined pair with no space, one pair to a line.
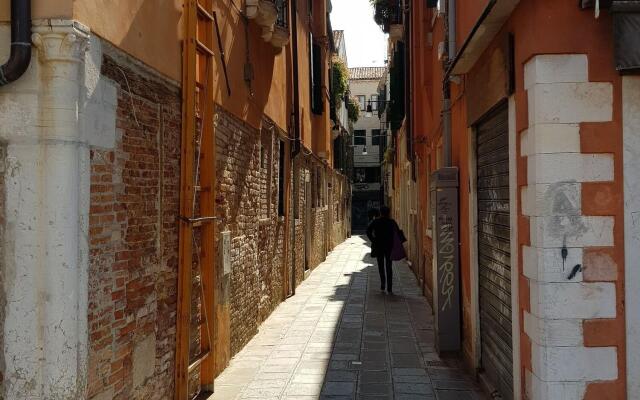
446,293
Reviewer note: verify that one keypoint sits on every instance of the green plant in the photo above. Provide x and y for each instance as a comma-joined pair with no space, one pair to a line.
340,83
386,12
353,109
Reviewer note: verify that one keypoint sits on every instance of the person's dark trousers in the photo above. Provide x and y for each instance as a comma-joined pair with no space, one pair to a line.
386,271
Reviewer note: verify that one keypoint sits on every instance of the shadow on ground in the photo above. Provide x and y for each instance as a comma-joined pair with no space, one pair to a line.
340,337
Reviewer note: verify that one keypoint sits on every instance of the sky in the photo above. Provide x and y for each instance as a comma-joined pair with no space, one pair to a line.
366,44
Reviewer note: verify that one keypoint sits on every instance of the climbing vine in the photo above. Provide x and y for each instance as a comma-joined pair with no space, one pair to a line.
353,109
340,82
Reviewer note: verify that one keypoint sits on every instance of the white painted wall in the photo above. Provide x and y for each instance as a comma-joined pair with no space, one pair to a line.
631,145
366,88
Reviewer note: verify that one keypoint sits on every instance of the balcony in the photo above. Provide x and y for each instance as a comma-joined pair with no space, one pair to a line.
273,17
388,14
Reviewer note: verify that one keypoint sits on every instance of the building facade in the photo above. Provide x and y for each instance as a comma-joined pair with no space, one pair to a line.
93,188
518,143
368,144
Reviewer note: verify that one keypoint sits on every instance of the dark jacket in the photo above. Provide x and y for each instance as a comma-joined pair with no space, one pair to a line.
381,232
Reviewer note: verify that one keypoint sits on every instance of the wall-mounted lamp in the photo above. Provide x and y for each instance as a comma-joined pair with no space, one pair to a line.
369,112
364,151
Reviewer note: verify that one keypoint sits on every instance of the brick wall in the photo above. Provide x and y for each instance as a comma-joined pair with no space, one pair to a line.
247,195
300,172
134,241
134,234
338,224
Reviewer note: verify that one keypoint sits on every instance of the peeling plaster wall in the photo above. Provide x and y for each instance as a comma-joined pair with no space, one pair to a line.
44,264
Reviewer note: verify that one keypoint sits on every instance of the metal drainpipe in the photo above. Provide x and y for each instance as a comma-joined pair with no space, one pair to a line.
450,44
20,42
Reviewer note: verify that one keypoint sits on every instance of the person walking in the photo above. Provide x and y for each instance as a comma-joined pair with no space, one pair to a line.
385,236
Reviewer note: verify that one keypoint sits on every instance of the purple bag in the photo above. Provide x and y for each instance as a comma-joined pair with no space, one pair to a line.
397,251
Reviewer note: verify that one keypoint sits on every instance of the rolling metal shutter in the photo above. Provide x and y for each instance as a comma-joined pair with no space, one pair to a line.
494,251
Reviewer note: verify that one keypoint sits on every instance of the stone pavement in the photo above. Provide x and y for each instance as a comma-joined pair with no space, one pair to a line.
339,337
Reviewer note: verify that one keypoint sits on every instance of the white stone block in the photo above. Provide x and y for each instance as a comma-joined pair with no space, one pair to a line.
569,167
556,68
555,300
562,198
551,138
18,115
572,231
553,332
570,103
546,265
631,146
541,390
559,364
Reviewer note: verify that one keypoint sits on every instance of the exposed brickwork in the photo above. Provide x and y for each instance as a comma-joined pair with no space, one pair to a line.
134,235
247,170
134,241
317,227
300,176
339,199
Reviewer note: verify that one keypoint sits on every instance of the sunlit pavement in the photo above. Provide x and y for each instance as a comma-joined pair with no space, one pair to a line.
339,337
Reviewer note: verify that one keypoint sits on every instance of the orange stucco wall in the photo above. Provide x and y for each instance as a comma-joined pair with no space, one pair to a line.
539,27
152,30
149,30
267,92
41,9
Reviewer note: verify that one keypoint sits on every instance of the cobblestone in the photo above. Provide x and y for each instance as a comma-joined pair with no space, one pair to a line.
339,337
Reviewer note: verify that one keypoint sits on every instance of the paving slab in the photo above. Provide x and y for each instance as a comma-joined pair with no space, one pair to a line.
341,338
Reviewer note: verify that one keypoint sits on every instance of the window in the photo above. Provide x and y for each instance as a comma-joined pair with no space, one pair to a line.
375,137
281,178
315,76
362,101
360,137
373,100
314,188
318,184
296,192
428,209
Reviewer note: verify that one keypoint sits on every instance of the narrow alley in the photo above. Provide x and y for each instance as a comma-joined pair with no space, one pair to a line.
339,337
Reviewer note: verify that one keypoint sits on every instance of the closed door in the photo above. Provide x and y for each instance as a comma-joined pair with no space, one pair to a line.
494,258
